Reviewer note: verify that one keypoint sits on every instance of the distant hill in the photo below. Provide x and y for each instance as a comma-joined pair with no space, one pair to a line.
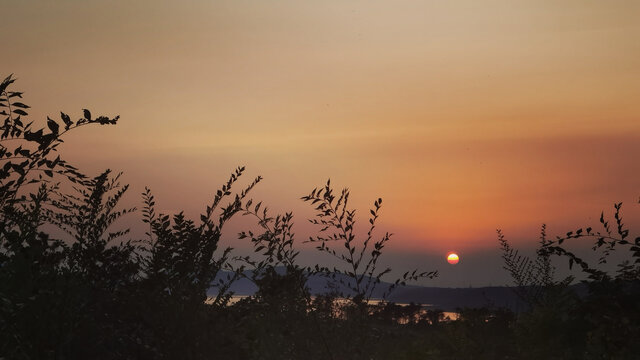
447,299
317,284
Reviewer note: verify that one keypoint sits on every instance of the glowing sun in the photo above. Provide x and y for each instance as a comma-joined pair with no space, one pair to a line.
453,258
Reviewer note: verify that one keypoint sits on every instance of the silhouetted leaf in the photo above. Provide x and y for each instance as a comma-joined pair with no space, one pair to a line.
67,120
53,126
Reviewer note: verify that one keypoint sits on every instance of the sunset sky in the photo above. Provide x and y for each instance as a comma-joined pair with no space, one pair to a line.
464,116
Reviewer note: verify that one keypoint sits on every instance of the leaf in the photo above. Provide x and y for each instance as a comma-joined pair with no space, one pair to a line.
67,120
8,80
87,114
53,126
20,105
33,136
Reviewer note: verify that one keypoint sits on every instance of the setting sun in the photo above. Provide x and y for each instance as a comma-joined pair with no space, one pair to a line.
453,258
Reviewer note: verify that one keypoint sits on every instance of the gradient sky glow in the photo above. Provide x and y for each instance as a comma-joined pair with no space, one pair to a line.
464,116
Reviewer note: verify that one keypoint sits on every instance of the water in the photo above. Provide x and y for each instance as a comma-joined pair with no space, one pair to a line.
448,315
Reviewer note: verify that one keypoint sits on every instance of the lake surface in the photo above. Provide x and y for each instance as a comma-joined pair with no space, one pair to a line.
448,315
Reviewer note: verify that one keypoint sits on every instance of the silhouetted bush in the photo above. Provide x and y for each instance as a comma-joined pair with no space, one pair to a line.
598,323
95,294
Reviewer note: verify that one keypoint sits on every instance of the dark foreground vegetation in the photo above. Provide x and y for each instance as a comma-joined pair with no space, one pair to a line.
94,294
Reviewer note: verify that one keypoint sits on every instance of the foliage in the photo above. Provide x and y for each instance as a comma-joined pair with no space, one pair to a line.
27,153
337,224
532,277
596,323
51,290
606,242
84,289
182,258
95,294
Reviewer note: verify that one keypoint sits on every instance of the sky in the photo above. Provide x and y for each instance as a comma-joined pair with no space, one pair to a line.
464,116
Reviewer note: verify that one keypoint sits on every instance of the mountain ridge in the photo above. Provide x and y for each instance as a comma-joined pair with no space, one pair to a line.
443,298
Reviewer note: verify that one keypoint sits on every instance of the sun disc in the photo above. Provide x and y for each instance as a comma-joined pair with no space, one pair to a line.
453,258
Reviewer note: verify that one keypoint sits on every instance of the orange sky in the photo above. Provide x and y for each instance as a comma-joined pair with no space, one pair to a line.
464,117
